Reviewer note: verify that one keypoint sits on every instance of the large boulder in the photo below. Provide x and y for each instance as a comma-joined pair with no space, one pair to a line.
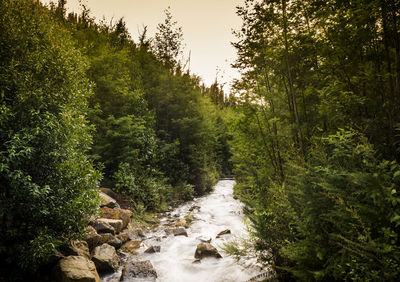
124,215
109,192
131,246
206,250
127,235
102,226
75,269
115,242
138,269
78,248
106,225
115,223
105,258
93,239
107,201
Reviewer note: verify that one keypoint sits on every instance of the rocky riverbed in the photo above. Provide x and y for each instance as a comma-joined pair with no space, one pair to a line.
187,245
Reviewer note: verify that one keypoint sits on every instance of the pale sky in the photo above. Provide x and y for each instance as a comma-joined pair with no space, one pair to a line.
207,28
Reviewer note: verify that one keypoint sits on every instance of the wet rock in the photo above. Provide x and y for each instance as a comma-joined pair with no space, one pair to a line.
124,215
224,232
180,232
105,258
104,222
204,239
206,250
131,246
78,248
176,232
153,249
196,261
101,226
138,269
107,201
193,208
75,268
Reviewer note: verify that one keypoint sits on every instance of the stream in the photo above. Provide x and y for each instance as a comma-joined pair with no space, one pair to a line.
212,213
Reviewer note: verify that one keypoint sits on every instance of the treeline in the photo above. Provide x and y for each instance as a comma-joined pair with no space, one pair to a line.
82,105
316,138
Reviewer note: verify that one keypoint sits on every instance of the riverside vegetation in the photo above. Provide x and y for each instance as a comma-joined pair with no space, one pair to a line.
310,131
316,141
83,105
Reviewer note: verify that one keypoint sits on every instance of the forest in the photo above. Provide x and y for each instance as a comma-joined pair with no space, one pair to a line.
316,138
310,131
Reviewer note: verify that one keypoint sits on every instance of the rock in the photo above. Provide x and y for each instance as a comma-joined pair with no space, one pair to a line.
92,238
127,235
138,269
193,208
124,215
182,222
105,238
107,201
153,249
180,232
78,248
196,261
206,250
115,242
102,225
176,232
131,246
224,232
140,232
75,268
105,258
204,239
109,192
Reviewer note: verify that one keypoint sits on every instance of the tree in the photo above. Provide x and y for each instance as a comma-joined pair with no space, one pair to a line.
168,41
47,191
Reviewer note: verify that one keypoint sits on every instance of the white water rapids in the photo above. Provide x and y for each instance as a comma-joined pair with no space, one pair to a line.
213,213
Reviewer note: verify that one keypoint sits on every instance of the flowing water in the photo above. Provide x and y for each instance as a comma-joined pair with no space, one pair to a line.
213,213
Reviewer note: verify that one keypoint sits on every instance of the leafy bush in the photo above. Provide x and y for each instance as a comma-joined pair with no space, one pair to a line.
337,216
47,190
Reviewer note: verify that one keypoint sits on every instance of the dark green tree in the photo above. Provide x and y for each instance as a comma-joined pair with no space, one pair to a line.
47,191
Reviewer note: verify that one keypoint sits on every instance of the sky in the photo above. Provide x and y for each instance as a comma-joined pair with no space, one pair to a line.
207,29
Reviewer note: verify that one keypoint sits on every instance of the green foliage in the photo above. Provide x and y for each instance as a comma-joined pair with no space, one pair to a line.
48,184
348,202
154,127
322,199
